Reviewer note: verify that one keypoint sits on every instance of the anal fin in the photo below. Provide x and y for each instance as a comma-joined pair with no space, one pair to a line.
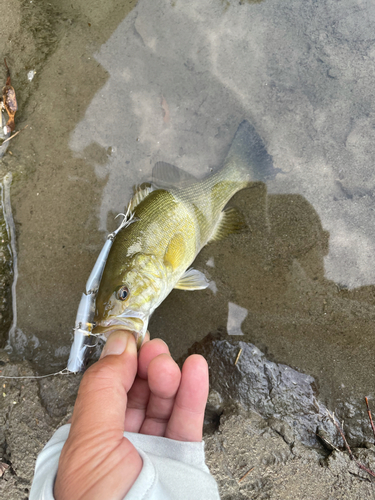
231,221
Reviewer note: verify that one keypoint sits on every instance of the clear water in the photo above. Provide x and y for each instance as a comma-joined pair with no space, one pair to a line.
118,88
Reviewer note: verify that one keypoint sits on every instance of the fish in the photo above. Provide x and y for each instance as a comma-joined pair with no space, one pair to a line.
172,219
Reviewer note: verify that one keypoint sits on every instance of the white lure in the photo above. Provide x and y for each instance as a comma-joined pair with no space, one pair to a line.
84,322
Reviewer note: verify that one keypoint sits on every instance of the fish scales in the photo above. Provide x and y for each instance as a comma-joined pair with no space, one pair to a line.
208,198
152,235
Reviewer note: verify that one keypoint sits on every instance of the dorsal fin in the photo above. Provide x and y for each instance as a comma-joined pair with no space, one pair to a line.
165,174
140,193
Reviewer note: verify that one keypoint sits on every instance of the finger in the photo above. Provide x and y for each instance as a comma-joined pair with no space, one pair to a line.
102,395
139,394
148,352
186,422
164,379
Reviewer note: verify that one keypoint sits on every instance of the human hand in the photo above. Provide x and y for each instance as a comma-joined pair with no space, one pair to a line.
121,392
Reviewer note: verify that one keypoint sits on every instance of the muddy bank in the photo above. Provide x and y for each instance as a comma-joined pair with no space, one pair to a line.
27,419
254,459
254,448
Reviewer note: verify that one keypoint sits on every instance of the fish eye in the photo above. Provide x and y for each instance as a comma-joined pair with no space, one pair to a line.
123,293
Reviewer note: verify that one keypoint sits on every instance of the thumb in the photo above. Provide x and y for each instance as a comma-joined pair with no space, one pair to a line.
102,395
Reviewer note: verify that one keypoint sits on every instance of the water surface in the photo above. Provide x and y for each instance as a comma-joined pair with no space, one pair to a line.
117,90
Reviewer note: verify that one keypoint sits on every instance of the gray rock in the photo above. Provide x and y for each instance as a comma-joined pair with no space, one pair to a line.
273,390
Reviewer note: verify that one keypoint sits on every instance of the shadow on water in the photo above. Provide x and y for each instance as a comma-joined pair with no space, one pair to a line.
275,272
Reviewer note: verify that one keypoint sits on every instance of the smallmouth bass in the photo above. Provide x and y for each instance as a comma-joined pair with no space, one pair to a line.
172,221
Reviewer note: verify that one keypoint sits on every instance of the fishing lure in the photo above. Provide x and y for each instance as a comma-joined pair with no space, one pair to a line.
84,339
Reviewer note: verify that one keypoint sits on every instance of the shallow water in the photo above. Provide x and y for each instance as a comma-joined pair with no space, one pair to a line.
118,88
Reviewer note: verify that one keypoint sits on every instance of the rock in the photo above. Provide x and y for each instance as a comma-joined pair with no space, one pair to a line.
338,461
214,409
274,390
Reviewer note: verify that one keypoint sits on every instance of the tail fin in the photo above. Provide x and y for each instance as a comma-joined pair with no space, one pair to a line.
247,158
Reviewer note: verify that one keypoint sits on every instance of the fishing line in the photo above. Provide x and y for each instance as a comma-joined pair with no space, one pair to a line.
65,371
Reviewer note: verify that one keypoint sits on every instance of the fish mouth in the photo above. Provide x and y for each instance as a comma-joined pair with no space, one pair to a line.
135,325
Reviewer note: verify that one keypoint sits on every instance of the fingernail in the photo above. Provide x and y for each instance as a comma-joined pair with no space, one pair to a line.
116,343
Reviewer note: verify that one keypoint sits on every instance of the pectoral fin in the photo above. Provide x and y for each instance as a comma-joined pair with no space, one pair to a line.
192,280
231,221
